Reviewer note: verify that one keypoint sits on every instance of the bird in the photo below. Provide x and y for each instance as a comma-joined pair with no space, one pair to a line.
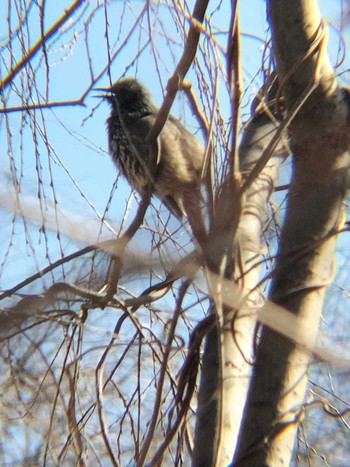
175,177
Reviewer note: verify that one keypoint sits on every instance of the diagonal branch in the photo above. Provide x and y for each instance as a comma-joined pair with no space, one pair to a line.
68,13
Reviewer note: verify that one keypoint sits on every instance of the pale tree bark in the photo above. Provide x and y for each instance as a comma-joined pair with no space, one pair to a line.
319,142
224,384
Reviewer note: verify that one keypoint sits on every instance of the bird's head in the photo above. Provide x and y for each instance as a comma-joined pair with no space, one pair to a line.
128,97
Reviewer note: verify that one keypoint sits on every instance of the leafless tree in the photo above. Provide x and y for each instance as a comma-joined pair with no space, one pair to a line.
123,341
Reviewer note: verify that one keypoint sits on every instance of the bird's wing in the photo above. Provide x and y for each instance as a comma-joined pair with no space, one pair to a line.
138,130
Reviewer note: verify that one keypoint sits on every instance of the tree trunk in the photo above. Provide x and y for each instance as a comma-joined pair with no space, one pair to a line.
220,406
305,262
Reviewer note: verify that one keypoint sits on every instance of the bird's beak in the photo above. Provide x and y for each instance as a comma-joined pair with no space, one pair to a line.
106,93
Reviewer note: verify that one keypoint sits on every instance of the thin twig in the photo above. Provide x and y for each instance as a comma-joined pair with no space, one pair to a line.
116,262
68,13
160,383
47,105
